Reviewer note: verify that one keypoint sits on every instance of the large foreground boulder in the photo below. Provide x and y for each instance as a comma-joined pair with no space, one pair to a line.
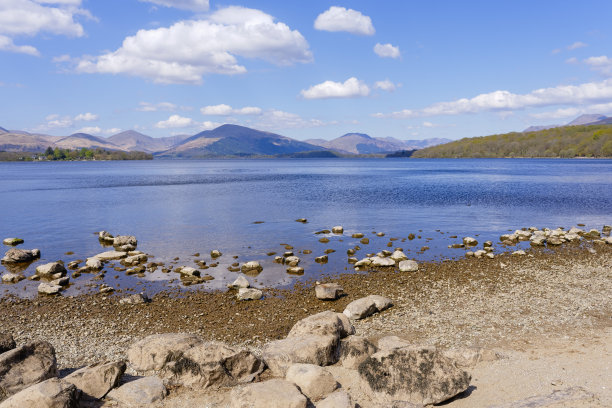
419,375
97,380
142,392
25,366
367,306
6,342
279,355
323,324
211,365
338,399
15,255
353,350
313,381
52,393
268,394
151,353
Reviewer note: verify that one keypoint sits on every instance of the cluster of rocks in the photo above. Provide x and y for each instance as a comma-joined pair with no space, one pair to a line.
558,236
291,261
388,259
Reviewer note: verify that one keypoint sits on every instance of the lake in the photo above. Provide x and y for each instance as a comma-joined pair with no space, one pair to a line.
177,208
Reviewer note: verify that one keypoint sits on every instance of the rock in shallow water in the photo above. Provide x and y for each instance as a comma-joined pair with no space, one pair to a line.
49,289
240,282
12,241
15,255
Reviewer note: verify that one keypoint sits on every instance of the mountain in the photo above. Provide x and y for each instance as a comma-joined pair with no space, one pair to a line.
131,140
24,142
537,128
360,143
84,140
3,130
234,140
587,119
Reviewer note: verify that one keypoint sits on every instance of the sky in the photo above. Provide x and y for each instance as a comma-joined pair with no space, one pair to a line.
303,69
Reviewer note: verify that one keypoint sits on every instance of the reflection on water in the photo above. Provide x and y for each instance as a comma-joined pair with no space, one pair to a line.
178,208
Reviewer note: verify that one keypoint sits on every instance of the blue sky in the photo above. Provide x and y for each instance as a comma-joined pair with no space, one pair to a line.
304,69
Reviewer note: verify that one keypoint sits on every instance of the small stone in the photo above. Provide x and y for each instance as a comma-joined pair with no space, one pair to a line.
189,271
321,259
249,294
49,289
328,291
215,253
240,282
469,241
408,266
135,299
357,235
12,278
302,220
12,241
338,229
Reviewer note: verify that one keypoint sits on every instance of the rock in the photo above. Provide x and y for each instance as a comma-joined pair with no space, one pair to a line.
12,241
490,255
249,294
338,229
151,353
139,393
469,241
12,278
105,235
268,394
291,261
391,342
49,288
104,288
97,380
593,233
553,240
417,375
6,342
52,393
240,282
188,271
480,253
357,235
408,266
608,240
50,269
94,264
295,270
279,355
321,259
251,266
469,357
328,291
566,398
302,220
326,323
338,399
125,242
27,365
314,381
398,256
211,365
64,281
377,261
537,240
135,259
487,244
519,252
353,350
15,255
381,302
363,262
215,253
110,255
367,306
135,299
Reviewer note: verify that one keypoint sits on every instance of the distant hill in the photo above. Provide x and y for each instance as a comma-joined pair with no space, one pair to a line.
84,140
3,130
24,142
587,119
361,143
130,140
234,140
565,141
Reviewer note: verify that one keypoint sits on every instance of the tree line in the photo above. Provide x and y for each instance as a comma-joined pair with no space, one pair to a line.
58,154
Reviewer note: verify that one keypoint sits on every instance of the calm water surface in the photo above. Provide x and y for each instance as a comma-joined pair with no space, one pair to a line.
177,208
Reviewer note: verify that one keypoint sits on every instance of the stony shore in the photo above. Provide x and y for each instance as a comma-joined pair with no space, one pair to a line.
508,304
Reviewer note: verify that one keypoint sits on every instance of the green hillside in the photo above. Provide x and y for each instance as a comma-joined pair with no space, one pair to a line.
566,142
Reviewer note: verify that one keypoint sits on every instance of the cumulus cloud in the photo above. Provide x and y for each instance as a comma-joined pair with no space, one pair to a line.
176,121
225,110
154,107
92,130
576,45
503,100
385,85
187,50
7,44
387,51
191,5
112,131
601,64
343,19
351,88
275,119
86,117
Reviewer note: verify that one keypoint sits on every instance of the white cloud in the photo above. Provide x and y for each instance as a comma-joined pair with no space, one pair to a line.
176,121
601,64
343,19
86,117
428,124
503,100
385,85
92,130
557,114
112,131
225,110
151,107
386,51
192,5
7,44
208,125
350,88
576,45
187,50
274,119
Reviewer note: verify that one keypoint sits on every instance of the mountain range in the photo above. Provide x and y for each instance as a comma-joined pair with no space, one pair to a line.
226,140
587,119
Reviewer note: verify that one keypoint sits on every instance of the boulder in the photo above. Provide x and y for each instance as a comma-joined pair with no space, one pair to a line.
15,255
249,294
52,393
6,342
381,302
537,240
251,266
188,271
380,262
125,242
139,393
337,229
295,270
105,236
27,365
391,342
321,259
367,306
268,394
469,241
353,350
12,278
418,375
328,291
240,282
50,269
135,299
93,264
363,262
408,266
314,381
398,256
151,353
337,399
211,365
49,288
97,380
291,260
135,259
110,255
63,281
279,355
12,241
215,253
326,323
